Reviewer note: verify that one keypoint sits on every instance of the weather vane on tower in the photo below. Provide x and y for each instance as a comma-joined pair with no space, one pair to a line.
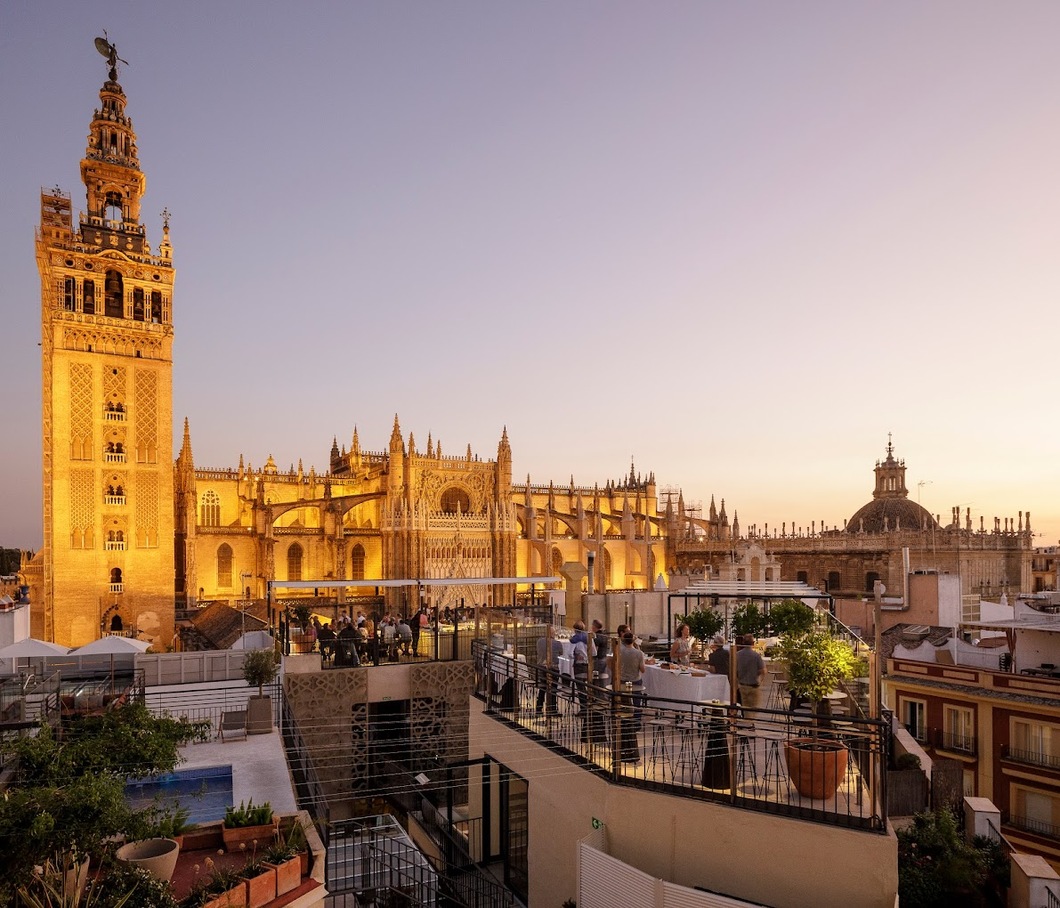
110,51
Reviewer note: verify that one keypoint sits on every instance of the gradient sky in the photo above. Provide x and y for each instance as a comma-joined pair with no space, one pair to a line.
738,243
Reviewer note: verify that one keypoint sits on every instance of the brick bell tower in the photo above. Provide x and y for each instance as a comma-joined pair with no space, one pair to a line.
107,376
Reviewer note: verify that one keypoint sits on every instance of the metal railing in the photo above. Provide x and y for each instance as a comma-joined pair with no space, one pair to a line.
1031,825
208,702
1030,757
373,858
716,752
1052,900
952,741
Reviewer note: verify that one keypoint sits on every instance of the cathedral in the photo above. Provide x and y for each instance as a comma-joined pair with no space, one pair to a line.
131,535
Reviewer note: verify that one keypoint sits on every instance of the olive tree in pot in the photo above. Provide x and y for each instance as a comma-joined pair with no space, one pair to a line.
259,668
817,662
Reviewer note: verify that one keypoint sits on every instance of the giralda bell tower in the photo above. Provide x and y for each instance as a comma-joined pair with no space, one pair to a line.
107,369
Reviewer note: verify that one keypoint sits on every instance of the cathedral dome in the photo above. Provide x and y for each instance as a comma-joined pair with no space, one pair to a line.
890,514
890,508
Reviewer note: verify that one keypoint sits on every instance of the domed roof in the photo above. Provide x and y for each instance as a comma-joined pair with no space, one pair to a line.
890,508
890,514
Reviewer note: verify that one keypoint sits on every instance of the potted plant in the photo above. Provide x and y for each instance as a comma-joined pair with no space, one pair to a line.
223,888
791,617
817,662
248,823
747,619
259,668
285,855
157,856
703,623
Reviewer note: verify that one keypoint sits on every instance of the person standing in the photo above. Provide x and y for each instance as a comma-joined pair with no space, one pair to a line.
750,673
718,660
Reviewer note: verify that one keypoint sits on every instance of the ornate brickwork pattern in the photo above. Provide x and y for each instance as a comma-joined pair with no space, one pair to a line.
114,384
337,740
81,404
147,509
146,413
439,711
82,505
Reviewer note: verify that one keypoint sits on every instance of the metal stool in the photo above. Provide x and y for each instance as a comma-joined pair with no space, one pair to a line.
777,688
661,731
745,755
775,772
687,751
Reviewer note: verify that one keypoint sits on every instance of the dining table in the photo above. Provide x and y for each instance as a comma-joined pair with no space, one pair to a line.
692,686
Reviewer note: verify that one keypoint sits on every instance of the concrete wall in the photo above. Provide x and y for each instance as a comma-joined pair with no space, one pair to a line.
759,857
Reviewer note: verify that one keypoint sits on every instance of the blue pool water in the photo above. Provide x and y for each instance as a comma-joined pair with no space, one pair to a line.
205,793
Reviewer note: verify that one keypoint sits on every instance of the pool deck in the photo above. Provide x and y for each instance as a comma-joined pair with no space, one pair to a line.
259,768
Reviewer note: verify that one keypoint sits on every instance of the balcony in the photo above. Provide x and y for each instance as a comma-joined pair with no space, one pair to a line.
114,415
114,500
714,752
953,742
117,587
1030,757
1033,826
112,546
114,457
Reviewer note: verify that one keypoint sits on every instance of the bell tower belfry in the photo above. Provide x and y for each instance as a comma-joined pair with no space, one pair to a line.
107,380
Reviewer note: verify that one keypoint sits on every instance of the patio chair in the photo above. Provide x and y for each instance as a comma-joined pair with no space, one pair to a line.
233,724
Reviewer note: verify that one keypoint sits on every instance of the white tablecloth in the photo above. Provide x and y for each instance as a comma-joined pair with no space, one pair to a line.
661,682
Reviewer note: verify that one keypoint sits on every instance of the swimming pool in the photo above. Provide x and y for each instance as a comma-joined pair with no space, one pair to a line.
205,793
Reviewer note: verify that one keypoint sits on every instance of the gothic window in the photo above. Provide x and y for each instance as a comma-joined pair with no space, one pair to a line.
454,500
870,580
294,562
357,562
88,297
557,560
68,294
138,304
156,307
113,294
210,509
115,575
605,576
224,566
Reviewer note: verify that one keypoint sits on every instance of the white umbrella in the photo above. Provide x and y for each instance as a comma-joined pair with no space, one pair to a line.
112,646
30,646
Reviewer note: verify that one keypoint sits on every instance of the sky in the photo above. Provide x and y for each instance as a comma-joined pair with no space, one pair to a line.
734,244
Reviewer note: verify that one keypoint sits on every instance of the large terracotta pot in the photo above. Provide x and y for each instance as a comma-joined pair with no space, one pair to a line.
157,856
816,766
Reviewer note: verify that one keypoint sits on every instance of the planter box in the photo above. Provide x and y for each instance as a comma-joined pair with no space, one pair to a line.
248,835
261,889
288,875
234,898
259,715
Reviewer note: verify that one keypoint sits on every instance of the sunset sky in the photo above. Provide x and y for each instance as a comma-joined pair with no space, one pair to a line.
735,243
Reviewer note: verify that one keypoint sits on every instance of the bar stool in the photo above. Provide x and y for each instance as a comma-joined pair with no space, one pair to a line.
687,751
775,773
662,730
745,755
777,688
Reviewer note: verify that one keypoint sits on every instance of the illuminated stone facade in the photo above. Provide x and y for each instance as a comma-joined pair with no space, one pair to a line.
106,341
403,513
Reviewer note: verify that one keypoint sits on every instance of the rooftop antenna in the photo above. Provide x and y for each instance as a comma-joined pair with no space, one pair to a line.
110,51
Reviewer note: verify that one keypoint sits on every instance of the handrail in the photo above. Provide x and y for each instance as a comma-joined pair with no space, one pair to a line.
686,748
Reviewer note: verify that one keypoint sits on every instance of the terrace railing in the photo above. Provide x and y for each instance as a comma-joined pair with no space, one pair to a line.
711,751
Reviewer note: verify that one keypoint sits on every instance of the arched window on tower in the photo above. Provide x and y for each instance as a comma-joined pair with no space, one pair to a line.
156,307
294,562
210,509
357,562
88,297
113,295
455,499
224,566
68,293
138,304
112,209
